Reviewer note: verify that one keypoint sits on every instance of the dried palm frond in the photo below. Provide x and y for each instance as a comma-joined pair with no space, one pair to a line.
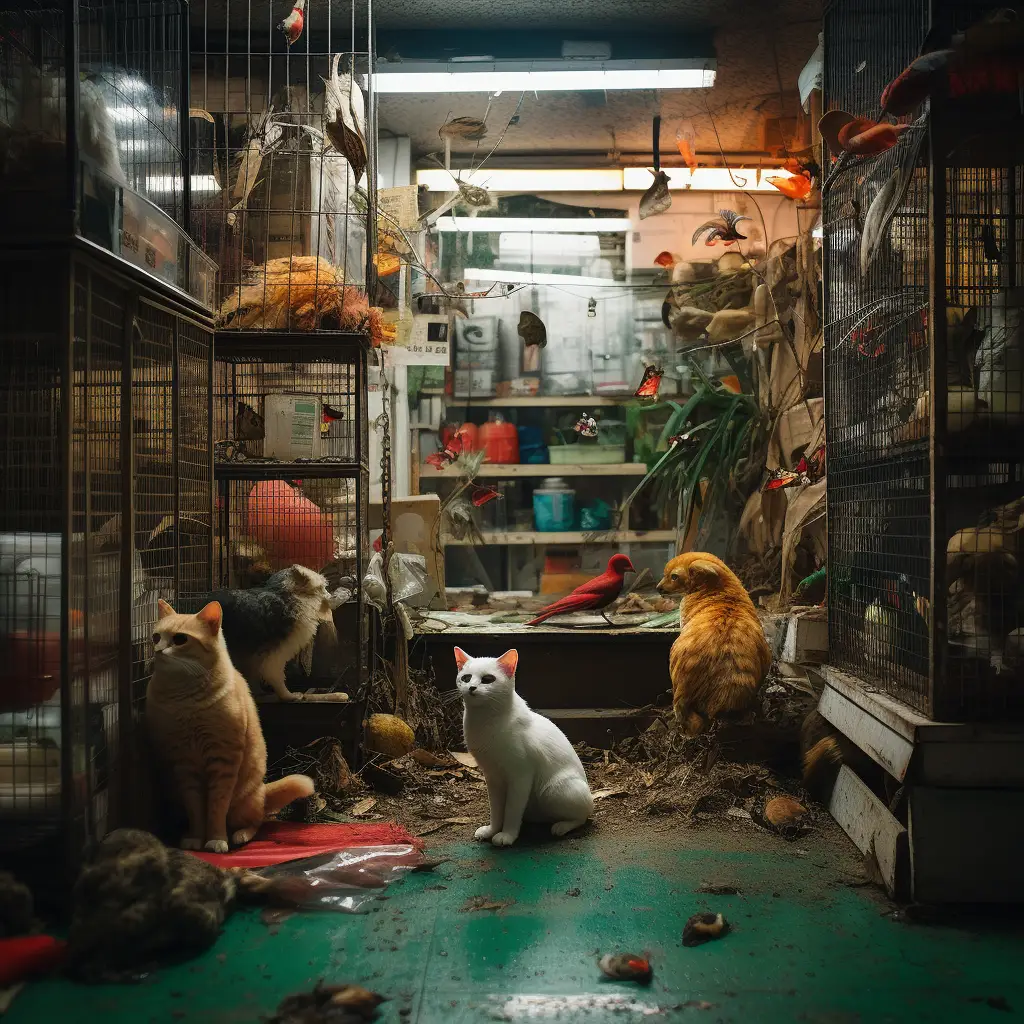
299,293
471,128
345,117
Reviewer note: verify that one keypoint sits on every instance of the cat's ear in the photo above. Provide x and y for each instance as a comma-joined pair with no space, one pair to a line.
461,657
704,571
164,608
508,662
210,617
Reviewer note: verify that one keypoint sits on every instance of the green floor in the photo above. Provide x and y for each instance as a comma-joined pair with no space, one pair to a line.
806,945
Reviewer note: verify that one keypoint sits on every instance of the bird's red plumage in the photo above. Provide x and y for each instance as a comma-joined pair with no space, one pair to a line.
591,596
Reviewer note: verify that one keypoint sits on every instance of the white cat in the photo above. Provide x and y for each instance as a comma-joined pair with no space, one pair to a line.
531,770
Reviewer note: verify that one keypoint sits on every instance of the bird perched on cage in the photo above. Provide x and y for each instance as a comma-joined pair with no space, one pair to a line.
720,229
292,25
595,595
266,627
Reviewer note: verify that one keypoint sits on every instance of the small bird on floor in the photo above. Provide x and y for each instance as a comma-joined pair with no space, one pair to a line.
626,967
594,595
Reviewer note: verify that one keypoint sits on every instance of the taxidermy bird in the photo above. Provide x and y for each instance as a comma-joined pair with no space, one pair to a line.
720,229
291,27
593,596
266,627
860,136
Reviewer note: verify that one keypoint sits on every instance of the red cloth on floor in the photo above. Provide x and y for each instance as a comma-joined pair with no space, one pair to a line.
29,955
278,841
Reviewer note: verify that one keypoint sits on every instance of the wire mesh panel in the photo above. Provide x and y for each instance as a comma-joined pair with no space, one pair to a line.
88,532
922,264
93,130
283,161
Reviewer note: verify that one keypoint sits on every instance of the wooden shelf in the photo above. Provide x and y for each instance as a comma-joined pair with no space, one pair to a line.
574,537
544,401
258,470
493,469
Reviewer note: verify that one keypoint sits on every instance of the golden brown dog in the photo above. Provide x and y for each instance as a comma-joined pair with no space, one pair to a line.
721,656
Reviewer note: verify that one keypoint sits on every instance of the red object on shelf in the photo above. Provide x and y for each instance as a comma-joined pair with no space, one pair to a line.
31,673
289,527
500,442
29,955
469,432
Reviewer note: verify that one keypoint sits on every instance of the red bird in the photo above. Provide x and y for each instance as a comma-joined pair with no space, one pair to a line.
593,596
292,25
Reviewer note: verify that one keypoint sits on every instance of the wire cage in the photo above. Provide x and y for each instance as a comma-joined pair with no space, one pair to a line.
924,360
92,135
105,457
284,162
291,445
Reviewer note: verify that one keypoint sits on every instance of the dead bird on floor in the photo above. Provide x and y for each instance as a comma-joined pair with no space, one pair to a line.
329,1004
265,627
703,928
626,967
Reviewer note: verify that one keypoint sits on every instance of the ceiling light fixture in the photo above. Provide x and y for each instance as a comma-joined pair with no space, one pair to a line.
541,75
538,225
604,179
514,180
524,277
706,179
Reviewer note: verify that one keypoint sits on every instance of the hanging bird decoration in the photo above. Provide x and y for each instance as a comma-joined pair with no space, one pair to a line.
345,117
686,143
859,136
531,329
796,186
480,495
720,229
657,199
586,426
650,383
448,454
291,27
593,596
779,479
470,128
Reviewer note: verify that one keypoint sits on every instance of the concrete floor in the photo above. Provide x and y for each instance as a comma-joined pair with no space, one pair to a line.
805,945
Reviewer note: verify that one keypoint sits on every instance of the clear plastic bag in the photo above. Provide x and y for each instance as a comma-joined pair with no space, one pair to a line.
342,880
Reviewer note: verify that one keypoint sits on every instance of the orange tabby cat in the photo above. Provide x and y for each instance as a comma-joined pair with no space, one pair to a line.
204,726
721,656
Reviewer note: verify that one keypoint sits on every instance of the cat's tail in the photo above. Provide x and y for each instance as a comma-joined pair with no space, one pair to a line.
282,792
821,753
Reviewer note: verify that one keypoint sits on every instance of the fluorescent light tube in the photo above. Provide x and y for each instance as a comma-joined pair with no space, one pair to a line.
169,183
514,180
538,225
541,75
524,277
705,179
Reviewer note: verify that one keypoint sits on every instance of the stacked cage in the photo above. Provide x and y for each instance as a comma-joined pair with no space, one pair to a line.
283,148
925,399
105,451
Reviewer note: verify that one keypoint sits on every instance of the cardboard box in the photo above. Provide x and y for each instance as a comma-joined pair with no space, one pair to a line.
292,427
474,383
557,584
518,387
416,529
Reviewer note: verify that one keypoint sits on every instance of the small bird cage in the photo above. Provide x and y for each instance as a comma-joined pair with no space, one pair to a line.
924,350
106,345
284,161
291,464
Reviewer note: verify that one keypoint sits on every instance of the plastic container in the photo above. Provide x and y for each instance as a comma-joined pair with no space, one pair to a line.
532,449
554,506
596,515
586,454
499,441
